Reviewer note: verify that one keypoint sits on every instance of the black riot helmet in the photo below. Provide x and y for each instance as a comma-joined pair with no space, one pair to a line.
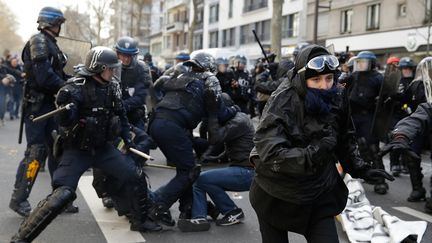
204,61
127,45
407,62
148,57
100,58
50,17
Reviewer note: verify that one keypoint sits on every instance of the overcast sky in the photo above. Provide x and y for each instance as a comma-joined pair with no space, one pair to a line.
27,11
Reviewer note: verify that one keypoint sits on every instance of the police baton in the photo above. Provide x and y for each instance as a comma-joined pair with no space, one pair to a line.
146,156
53,113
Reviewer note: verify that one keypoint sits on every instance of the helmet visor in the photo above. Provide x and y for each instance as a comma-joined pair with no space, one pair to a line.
362,65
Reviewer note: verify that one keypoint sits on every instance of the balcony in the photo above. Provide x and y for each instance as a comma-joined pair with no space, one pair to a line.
169,4
174,27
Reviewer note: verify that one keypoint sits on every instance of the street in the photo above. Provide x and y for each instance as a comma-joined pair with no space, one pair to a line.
95,224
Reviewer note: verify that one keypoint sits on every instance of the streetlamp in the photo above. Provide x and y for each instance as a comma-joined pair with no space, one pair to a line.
317,7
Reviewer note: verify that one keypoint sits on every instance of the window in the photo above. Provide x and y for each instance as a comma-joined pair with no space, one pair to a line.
185,38
263,30
228,37
214,13
244,34
290,25
200,18
402,11
198,41
250,5
346,20
213,39
167,42
230,9
156,49
373,16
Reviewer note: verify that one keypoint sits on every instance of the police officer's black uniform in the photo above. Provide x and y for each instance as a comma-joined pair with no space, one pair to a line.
43,65
96,118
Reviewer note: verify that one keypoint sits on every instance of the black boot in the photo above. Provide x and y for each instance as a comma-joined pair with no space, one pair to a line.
416,176
22,208
381,188
71,208
108,202
159,213
46,211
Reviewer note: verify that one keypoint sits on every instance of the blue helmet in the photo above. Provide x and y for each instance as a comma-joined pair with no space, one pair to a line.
183,56
127,45
406,62
50,17
366,55
221,60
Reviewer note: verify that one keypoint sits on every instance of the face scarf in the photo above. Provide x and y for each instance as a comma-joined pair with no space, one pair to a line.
318,101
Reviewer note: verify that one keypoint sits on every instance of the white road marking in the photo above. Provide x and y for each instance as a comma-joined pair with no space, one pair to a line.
415,213
115,228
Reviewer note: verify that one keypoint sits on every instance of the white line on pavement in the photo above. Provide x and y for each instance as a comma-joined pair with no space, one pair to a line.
415,213
115,228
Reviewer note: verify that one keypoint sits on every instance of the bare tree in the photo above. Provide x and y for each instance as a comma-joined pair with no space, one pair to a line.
276,28
193,25
100,10
9,39
77,25
139,6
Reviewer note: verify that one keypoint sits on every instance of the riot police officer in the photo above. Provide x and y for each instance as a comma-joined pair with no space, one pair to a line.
363,93
405,136
407,68
241,84
95,118
135,80
181,109
43,65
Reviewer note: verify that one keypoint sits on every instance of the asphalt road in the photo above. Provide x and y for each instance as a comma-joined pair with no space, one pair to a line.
95,224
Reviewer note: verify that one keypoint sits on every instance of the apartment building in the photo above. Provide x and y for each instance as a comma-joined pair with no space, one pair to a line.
383,26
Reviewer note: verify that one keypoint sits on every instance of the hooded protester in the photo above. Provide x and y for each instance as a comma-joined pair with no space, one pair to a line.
304,130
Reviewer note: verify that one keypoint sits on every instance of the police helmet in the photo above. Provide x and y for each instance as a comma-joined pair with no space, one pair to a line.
221,60
127,45
204,61
183,56
100,58
50,17
366,55
406,62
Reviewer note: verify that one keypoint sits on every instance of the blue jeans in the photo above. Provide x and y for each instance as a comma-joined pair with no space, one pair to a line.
215,182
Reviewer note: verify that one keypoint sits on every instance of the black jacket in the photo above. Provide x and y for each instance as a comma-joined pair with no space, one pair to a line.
417,124
285,169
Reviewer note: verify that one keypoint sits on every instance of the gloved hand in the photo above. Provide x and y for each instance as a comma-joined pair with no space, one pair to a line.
64,97
373,176
399,143
322,152
129,144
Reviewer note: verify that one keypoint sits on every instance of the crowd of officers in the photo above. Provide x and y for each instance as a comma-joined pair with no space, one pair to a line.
115,104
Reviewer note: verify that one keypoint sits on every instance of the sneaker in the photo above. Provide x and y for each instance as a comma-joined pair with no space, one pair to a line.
23,208
234,216
193,225
108,202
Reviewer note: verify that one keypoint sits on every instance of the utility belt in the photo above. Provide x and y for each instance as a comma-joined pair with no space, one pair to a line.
92,132
34,100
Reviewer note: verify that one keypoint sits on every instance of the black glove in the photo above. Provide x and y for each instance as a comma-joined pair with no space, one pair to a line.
374,176
399,143
129,144
321,153
64,97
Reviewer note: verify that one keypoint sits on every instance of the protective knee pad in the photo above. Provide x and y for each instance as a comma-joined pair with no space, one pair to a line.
46,211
